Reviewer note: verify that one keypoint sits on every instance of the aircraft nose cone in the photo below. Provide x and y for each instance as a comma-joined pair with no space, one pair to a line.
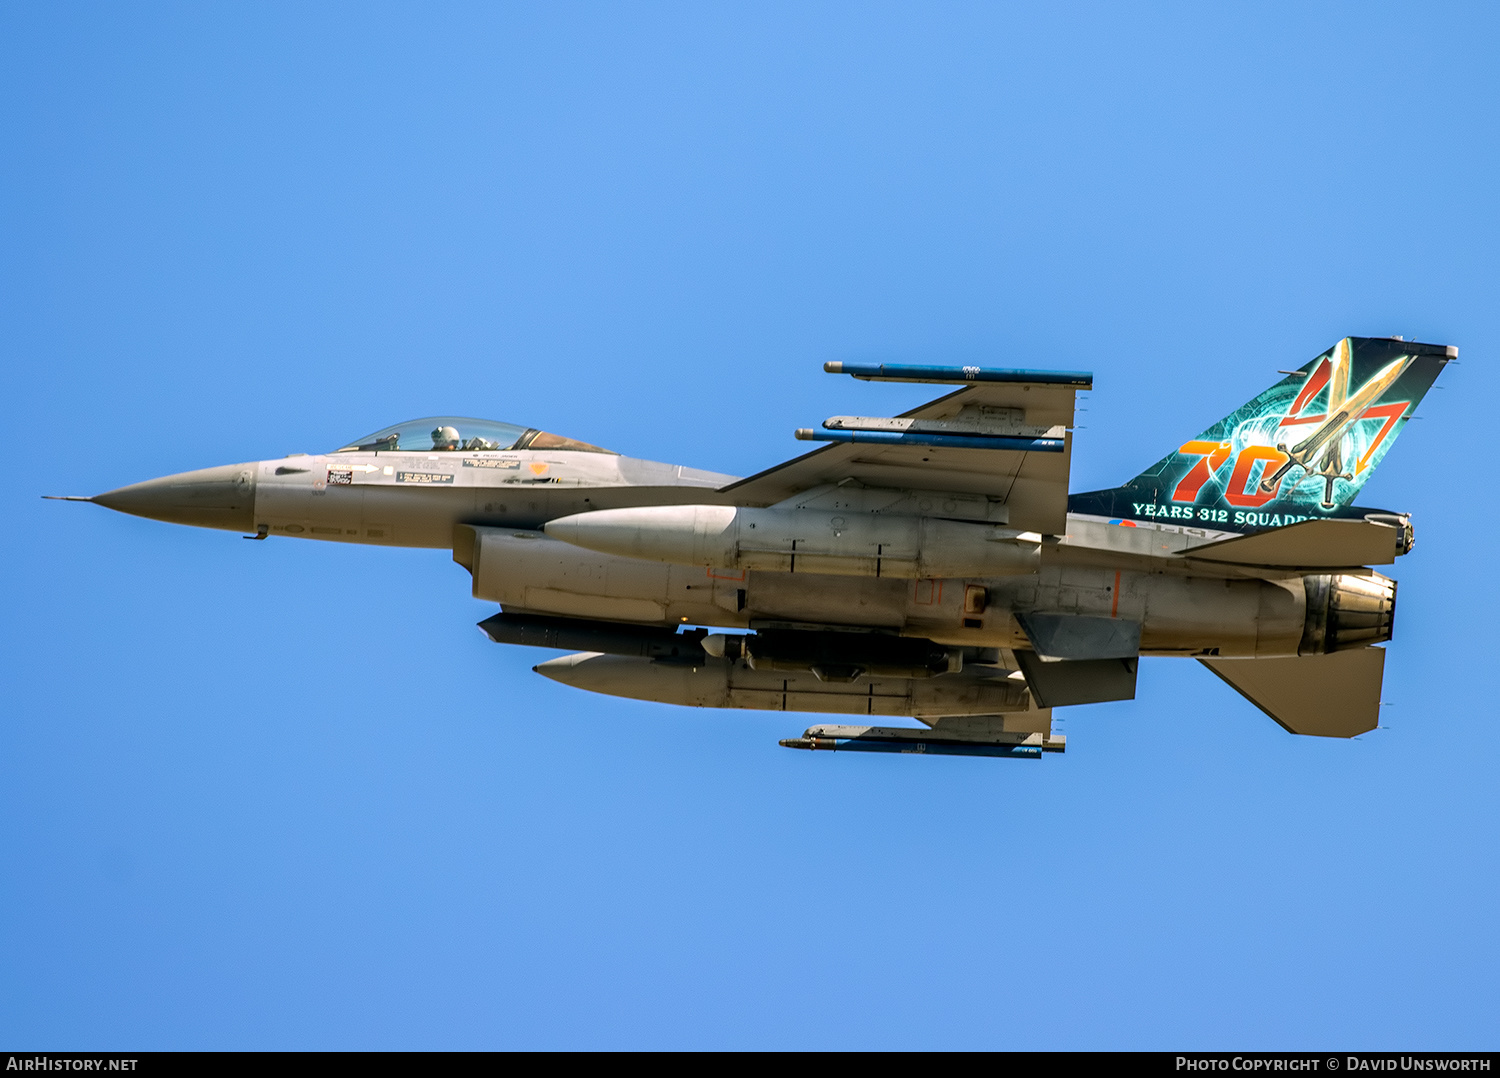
222,497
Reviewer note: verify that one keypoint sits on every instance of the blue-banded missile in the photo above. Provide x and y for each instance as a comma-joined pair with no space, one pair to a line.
908,372
936,441
914,748
986,422
937,742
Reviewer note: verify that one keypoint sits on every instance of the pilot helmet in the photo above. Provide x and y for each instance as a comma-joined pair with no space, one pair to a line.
445,438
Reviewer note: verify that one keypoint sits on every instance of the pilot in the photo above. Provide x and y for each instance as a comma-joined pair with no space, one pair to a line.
445,438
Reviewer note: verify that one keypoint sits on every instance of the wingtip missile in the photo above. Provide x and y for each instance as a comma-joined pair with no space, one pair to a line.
963,375
907,747
916,742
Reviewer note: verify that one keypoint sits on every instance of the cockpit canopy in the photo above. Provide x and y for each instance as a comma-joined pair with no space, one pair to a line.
448,433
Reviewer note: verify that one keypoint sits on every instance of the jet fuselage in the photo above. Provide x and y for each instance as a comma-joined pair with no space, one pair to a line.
492,506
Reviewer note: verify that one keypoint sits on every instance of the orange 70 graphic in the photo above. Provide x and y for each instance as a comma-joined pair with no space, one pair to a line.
1211,455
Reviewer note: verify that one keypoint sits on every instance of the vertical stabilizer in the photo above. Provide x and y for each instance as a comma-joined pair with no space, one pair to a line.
1301,450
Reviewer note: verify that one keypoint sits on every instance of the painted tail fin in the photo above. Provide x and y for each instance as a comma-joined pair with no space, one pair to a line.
1301,449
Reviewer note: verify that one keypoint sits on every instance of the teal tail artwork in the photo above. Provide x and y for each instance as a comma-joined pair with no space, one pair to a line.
1300,450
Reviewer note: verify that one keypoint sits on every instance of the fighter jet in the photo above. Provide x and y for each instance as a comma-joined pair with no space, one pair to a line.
930,566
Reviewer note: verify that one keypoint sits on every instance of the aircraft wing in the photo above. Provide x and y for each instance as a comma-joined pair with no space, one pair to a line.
1005,435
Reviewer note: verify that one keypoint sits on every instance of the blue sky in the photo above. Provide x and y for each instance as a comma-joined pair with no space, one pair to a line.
284,795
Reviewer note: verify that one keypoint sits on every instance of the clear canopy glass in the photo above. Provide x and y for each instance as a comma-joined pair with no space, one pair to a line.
446,433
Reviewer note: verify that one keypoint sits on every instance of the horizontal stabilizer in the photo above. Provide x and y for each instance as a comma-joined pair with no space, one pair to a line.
1312,544
1335,695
